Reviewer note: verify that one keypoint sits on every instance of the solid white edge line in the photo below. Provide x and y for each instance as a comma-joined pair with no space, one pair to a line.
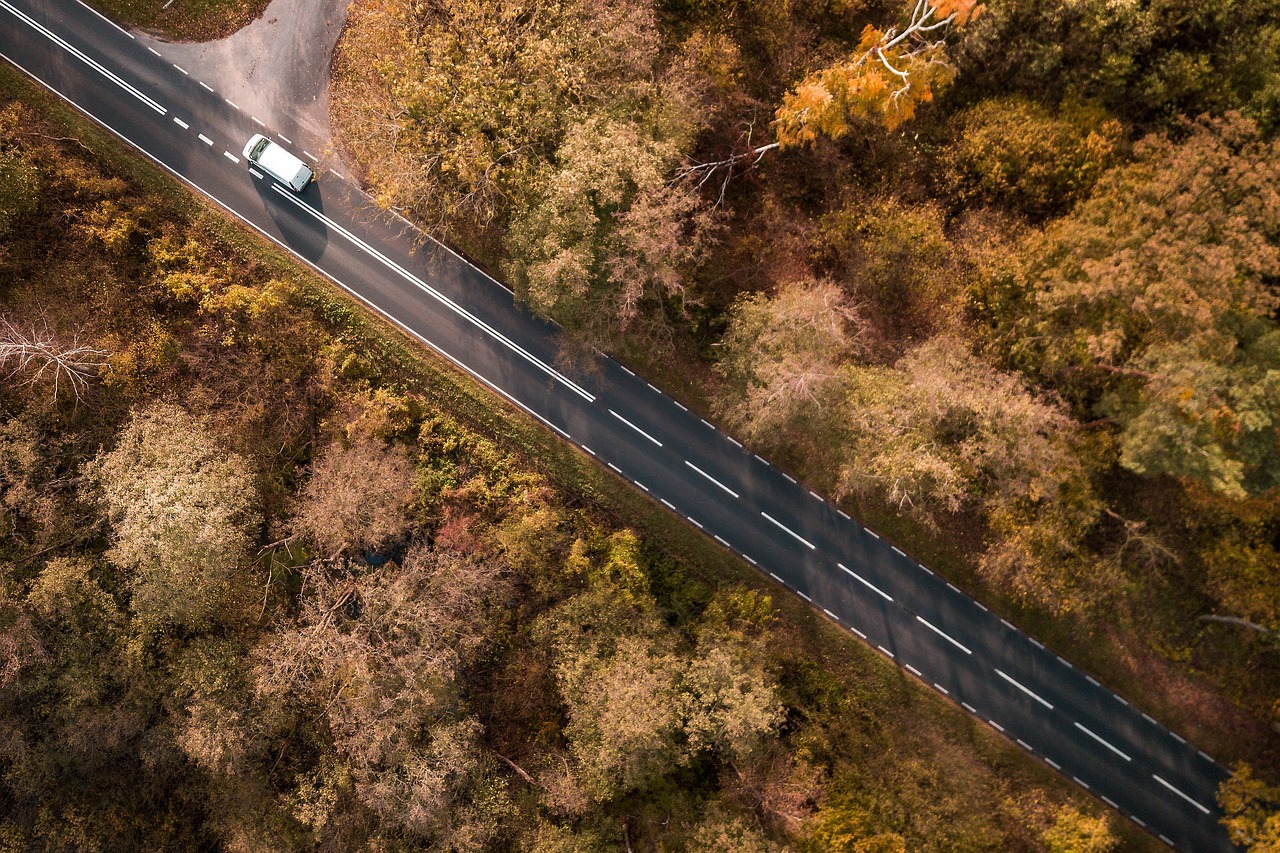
712,479
634,427
465,368
935,629
438,295
868,584
788,530
1180,794
105,18
82,56
1024,689
1102,741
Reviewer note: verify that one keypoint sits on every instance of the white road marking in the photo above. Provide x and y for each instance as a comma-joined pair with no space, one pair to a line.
205,85
1024,689
1064,661
1036,643
1179,738
614,467
1080,782
654,387
868,584
1008,624
788,476
734,440
440,297
707,422
1120,699
954,588
629,371
815,494
233,158
153,50
641,485
788,530
206,140
1166,840
681,406
805,597
944,691
872,532
337,174
49,34
968,707
1055,765
926,568
712,479
832,615
778,579
1206,756
898,551
1022,743
105,18
1139,821
886,651
761,458
996,725
983,606
750,560
935,629
255,173
1150,719
859,633
180,68
259,122
843,515
1103,742
285,138
309,155
232,104
668,503
913,670
724,543
589,450
634,427
1095,682
180,123
694,522
1111,803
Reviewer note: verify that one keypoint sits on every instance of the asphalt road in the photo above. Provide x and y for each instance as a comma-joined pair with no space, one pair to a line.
949,641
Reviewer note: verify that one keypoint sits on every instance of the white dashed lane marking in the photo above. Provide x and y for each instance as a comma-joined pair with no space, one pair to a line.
944,635
1025,690
182,124
634,427
1180,794
788,530
712,479
868,584
1103,742
206,140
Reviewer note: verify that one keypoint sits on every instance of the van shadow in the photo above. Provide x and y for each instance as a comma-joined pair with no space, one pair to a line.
297,216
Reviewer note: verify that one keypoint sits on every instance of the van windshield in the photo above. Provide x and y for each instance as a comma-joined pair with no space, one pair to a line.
257,150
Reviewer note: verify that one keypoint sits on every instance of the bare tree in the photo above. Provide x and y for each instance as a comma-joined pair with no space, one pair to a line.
36,353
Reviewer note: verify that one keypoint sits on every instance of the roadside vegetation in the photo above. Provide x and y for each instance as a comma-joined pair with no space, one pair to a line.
183,20
1006,286
273,579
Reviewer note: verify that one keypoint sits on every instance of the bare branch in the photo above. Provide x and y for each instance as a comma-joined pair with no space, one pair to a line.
37,354
1245,623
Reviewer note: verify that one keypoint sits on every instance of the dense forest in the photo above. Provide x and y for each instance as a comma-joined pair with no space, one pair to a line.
1003,279
271,579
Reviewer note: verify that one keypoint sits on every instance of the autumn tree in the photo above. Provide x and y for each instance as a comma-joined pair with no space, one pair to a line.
357,497
1074,831
1251,811
887,76
1152,304
181,510
780,356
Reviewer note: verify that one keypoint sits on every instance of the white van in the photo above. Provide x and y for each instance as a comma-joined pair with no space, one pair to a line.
278,163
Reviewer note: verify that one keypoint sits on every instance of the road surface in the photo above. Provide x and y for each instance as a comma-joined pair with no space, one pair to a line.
867,585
